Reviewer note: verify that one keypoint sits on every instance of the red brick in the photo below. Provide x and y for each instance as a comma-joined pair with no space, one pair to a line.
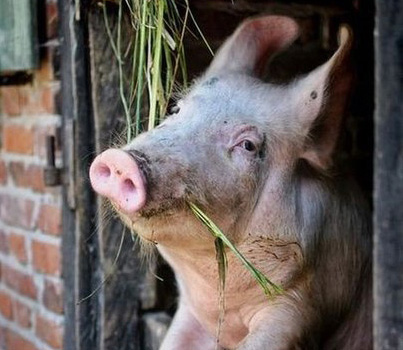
19,281
48,100
22,314
17,342
32,99
3,173
4,246
45,72
18,139
49,331
53,296
6,308
18,247
10,98
46,258
26,95
39,98
30,176
50,219
16,211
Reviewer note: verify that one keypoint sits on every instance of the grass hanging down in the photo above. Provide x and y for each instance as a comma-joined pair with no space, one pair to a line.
157,57
268,287
222,261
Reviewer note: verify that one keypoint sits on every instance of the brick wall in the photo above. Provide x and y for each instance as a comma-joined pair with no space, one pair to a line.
31,310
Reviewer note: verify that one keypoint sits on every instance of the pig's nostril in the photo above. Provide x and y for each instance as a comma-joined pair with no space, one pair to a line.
104,171
115,175
128,186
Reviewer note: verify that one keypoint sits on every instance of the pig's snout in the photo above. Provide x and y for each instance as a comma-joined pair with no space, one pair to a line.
116,175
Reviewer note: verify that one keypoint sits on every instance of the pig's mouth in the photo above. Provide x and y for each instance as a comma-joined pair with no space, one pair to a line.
167,209
152,224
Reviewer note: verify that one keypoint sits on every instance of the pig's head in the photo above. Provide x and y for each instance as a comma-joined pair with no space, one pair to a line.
234,144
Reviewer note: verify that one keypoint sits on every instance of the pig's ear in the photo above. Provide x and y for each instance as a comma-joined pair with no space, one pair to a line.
322,100
249,48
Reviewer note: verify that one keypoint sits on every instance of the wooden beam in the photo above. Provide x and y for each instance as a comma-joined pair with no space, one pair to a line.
81,267
388,218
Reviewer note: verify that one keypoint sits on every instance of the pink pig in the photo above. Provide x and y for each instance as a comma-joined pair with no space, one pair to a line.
258,159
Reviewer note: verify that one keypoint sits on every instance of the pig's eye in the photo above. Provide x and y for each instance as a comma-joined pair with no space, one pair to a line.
248,145
174,109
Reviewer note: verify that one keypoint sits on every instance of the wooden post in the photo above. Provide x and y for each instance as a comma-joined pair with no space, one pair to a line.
81,261
388,217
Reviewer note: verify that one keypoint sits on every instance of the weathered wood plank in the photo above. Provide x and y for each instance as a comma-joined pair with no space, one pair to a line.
301,8
388,220
80,245
18,35
121,295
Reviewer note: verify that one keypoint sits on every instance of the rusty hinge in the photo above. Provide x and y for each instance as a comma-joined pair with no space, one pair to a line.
55,176
51,174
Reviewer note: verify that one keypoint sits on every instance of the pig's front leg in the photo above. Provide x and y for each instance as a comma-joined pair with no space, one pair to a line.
186,333
278,327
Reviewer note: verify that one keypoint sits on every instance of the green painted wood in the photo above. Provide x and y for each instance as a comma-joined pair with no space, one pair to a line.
18,35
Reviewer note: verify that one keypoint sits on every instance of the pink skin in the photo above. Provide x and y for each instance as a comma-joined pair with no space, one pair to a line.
115,175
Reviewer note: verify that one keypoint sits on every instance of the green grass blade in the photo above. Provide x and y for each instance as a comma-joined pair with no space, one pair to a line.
178,60
200,32
121,81
156,70
169,69
109,33
222,261
268,287
142,52
133,82
116,48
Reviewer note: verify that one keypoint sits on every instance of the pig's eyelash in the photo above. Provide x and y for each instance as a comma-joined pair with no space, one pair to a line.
174,109
247,145
247,138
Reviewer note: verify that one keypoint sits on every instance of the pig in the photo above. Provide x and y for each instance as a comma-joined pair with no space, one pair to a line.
260,160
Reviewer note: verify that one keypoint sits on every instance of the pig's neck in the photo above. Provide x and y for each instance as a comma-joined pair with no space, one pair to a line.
268,255
197,271
197,277
191,265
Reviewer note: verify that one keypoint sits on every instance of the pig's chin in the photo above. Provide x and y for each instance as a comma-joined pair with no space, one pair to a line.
151,222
